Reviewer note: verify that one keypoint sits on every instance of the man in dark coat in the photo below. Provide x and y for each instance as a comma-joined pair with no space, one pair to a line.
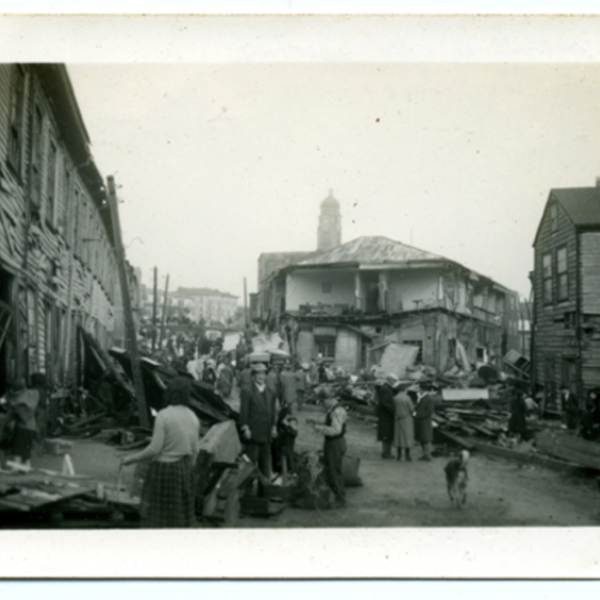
517,423
423,420
273,381
257,419
570,406
385,415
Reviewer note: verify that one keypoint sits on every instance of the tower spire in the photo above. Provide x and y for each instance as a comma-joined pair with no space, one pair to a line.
329,233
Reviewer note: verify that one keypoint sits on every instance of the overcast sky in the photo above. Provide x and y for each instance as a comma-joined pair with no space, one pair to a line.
220,162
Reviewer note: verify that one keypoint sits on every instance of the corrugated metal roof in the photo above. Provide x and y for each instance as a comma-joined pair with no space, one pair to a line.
581,204
371,250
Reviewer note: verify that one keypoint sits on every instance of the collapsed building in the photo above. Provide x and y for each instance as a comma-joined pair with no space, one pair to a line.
58,267
350,303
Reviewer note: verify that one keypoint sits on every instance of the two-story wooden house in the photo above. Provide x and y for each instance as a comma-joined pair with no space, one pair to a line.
566,280
57,259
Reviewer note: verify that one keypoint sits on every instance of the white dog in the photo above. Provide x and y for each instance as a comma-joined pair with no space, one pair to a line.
456,479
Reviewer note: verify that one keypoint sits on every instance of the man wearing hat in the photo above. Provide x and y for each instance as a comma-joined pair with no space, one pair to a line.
334,447
258,419
423,420
385,392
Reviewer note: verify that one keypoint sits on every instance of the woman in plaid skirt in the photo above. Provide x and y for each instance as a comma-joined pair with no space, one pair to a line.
168,493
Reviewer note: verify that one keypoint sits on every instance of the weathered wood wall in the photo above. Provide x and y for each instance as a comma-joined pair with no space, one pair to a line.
50,224
556,344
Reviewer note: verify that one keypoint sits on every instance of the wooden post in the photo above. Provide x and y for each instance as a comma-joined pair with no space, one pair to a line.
130,334
68,333
154,306
164,315
245,304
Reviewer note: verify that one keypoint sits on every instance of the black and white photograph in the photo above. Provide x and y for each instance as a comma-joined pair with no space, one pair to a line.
306,273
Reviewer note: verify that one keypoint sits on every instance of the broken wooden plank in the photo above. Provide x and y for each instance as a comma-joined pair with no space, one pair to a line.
526,457
456,440
465,395
484,431
567,446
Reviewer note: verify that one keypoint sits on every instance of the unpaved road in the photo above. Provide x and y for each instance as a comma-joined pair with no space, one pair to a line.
399,494
413,494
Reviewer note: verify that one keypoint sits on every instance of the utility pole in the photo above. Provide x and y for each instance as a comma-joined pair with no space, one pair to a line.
154,303
164,315
245,304
130,335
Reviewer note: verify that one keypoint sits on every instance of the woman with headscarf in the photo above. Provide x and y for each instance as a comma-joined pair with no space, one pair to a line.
168,492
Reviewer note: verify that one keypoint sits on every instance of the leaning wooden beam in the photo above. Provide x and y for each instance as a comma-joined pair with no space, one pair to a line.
164,314
130,334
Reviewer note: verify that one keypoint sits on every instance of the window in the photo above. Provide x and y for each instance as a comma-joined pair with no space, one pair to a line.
419,344
562,274
36,154
554,218
325,347
569,320
51,185
74,238
66,199
547,278
16,118
326,287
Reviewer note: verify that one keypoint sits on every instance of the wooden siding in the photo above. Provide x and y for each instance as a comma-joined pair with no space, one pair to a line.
55,243
590,272
555,333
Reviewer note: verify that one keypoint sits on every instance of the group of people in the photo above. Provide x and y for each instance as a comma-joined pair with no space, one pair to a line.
267,401
268,427
403,418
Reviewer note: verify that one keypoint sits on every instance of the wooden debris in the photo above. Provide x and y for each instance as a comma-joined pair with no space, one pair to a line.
455,440
56,447
566,446
222,442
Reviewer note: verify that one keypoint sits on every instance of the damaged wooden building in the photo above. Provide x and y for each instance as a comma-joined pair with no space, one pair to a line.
566,284
57,260
346,302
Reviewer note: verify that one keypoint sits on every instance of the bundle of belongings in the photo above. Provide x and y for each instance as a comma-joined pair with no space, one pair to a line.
312,491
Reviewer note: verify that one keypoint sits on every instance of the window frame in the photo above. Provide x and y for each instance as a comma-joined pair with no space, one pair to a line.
16,113
37,154
562,289
328,343
546,270
51,178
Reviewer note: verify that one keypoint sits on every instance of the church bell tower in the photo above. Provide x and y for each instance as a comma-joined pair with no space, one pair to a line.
329,234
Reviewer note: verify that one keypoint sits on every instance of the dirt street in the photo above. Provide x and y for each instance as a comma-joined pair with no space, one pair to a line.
413,494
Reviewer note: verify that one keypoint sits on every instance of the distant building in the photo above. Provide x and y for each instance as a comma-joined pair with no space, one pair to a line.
195,304
344,303
566,284
58,265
